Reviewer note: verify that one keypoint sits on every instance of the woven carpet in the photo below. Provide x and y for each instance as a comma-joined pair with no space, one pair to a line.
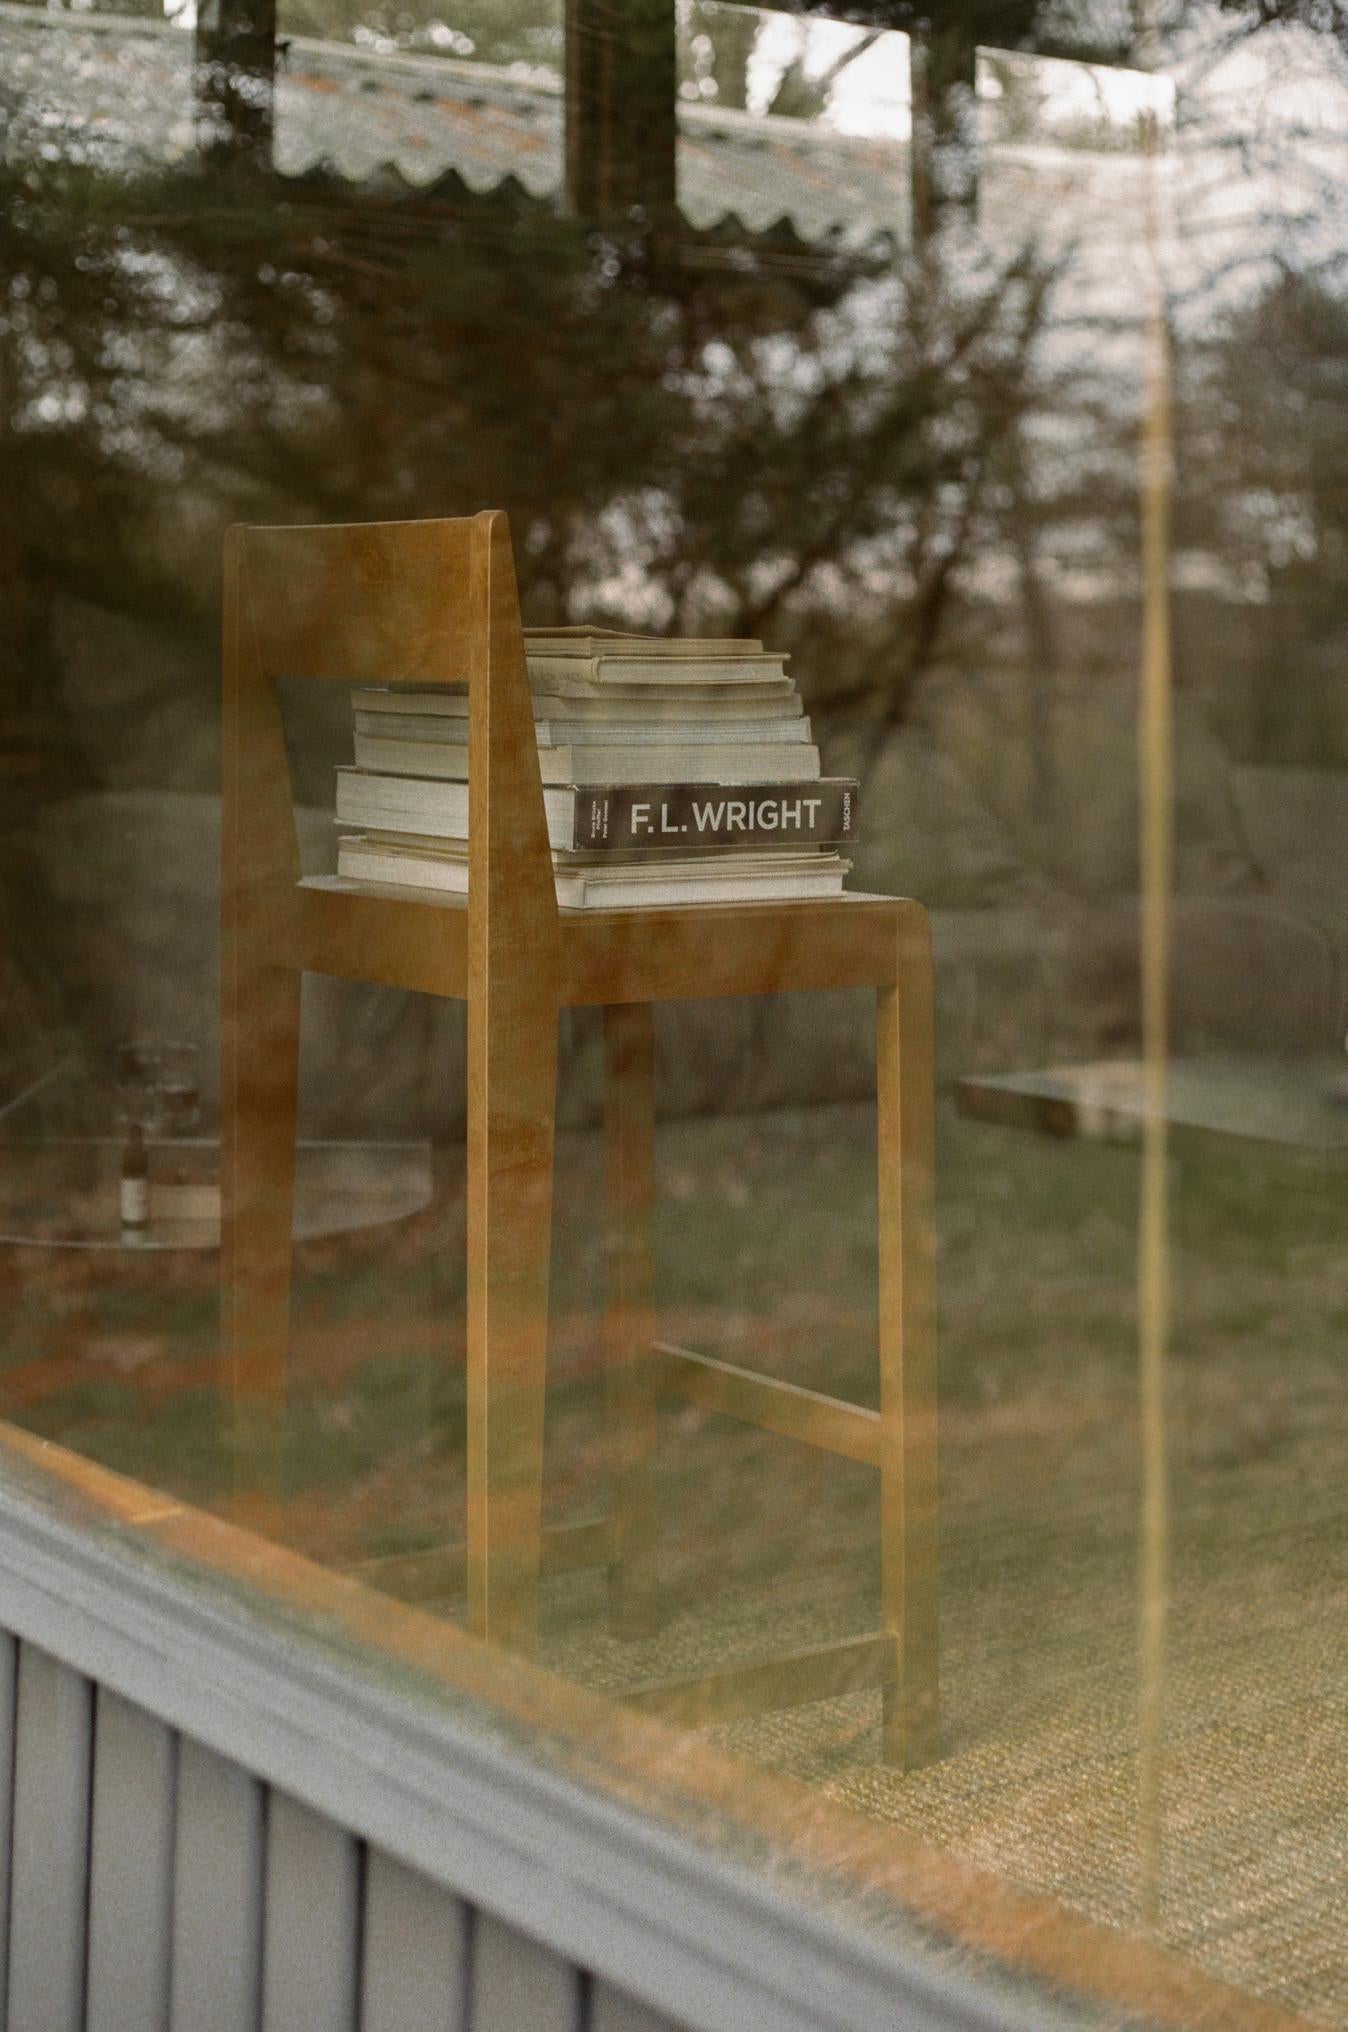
1038,1780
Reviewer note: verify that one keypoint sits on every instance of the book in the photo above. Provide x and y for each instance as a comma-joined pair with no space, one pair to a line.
585,641
622,667
636,817
720,878
673,772
645,857
669,689
608,657
559,733
648,763
770,701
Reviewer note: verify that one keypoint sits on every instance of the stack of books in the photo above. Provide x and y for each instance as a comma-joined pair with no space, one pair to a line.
673,772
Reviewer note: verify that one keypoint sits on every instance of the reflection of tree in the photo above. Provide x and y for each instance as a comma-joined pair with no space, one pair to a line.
1264,489
723,39
807,458
1019,92
803,92
841,492
74,314
719,42
742,448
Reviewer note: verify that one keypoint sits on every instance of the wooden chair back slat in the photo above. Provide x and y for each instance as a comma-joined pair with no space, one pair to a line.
361,603
424,603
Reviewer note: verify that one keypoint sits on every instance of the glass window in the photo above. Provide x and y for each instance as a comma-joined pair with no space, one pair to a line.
976,480
792,117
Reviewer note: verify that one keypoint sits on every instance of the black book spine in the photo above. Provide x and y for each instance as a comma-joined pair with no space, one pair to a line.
629,817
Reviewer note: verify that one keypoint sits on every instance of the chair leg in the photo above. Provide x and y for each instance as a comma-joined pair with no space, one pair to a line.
908,1496
511,1123
629,1323
260,1048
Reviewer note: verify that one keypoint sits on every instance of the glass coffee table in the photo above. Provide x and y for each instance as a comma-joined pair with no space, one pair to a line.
62,1192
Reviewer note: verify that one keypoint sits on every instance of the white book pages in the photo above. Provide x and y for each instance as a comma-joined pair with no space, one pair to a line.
561,733
746,762
740,879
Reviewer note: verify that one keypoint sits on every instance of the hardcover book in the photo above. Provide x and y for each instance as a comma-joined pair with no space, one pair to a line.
597,763
572,699
586,642
621,818
632,816
673,771
640,659
615,885
608,733
621,667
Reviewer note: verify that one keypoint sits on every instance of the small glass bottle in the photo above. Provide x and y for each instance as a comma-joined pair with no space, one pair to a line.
134,1188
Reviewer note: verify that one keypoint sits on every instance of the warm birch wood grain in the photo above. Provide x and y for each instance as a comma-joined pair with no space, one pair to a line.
852,1430
629,1307
512,1073
443,1569
821,1672
908,1495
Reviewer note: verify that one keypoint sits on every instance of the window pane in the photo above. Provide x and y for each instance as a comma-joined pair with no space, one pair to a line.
979,470
790,117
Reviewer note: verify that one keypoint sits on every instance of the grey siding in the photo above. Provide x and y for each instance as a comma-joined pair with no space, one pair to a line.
207,1824
415,1964
158,1885
48,1907
312,1922
215,1971
614,2011
518,1983
130,1868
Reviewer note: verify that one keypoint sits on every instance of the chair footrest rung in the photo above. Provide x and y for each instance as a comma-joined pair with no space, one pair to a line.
443,1569
828,1422
824,1672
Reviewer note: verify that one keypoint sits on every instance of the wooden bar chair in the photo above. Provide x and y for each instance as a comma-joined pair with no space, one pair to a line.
429,603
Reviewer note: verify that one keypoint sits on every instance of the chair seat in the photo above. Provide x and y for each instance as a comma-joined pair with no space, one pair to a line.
406,938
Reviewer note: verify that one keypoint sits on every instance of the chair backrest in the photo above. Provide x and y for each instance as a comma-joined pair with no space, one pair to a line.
425,603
